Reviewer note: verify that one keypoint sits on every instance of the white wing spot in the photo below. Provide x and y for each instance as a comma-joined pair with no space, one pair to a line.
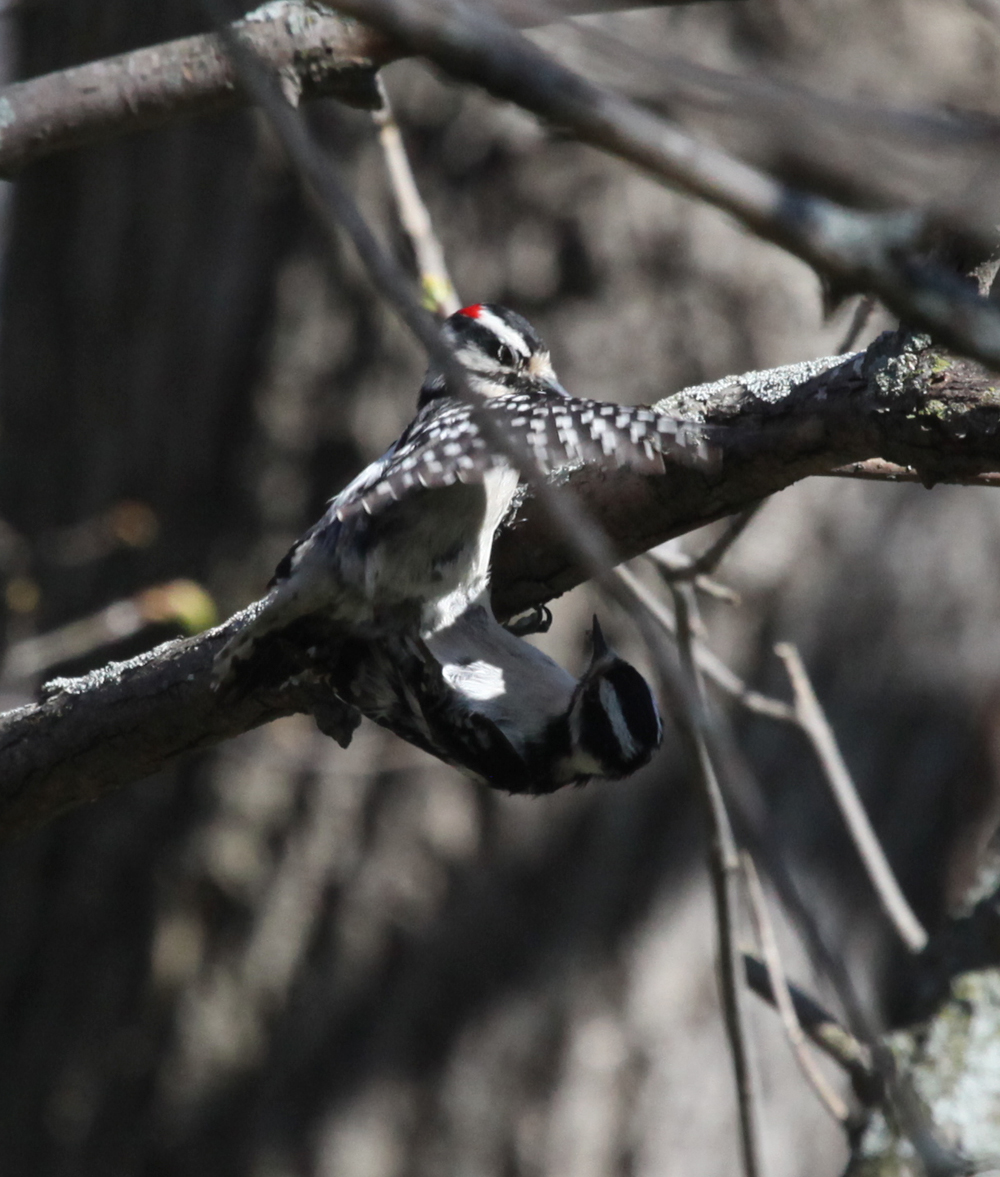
478,680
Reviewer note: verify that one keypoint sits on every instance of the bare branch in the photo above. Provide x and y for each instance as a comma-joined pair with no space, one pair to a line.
870,1063
435,281
859,320
855,250
834,1039
879,470
724,870
710,558
317,52
820,734
783,997
91,735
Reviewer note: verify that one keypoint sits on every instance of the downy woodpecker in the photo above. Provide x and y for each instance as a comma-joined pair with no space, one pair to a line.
491,704
400,565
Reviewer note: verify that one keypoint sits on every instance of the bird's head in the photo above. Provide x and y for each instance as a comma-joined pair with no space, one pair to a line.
615,725
500,351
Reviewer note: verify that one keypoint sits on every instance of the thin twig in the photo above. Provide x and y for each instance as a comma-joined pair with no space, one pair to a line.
782,995
879,470
435,281
182,602
718,738
672,567
717,591
708,662
711,557
824,1030
869,1062
817,729
336,209
876,251
862,313
724,869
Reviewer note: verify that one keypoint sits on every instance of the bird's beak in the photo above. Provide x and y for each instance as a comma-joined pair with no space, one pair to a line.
601,648
540,366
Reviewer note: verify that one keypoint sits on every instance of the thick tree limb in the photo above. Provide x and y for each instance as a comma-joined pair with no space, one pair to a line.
855,250
123,722
900,399
918,409
318,53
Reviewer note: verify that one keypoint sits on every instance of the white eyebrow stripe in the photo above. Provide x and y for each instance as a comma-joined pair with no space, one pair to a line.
500,329
619,725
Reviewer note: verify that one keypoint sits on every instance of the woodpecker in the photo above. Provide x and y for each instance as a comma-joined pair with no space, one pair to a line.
502,711
407,544
399,567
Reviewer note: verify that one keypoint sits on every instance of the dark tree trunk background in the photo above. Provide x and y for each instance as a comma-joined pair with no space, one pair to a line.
282,958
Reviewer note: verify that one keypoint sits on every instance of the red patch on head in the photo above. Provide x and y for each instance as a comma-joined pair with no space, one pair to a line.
473,311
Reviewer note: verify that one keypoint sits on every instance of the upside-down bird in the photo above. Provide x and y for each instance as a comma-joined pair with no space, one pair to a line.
399,565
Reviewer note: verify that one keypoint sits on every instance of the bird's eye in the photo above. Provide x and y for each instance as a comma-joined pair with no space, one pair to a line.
505,356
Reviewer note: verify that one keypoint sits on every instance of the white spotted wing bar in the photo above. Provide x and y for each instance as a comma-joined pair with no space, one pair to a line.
445,445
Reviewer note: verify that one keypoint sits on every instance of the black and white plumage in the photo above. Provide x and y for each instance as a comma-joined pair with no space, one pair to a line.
400,564
408,542
483,700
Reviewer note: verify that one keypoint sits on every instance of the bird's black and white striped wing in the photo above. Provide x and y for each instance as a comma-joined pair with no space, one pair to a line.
446,445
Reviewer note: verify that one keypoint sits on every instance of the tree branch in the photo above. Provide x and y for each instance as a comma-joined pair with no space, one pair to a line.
724,872
882,252
319,54
816,727
900,399
782,994
316,52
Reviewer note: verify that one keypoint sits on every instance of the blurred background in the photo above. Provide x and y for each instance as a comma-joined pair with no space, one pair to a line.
283,958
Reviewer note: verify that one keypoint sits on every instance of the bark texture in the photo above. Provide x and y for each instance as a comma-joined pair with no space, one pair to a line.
282,957
902,398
